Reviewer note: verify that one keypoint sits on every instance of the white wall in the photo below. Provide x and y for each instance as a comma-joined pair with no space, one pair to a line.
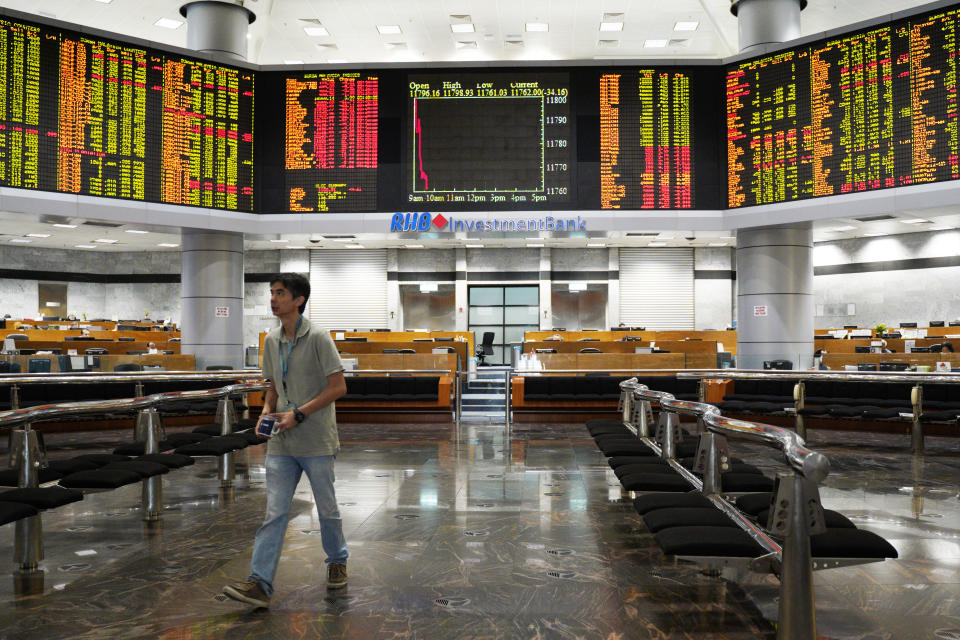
890,295
713,298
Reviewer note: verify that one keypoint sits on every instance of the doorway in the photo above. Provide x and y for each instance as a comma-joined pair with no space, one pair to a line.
506,310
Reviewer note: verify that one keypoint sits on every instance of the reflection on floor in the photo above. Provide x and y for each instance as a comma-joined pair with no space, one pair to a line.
477,534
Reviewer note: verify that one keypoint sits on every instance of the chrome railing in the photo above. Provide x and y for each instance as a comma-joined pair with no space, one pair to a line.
797,501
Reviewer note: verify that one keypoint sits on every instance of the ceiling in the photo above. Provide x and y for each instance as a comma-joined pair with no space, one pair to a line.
277,36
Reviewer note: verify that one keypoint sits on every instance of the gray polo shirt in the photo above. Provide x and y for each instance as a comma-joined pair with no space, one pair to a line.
313,358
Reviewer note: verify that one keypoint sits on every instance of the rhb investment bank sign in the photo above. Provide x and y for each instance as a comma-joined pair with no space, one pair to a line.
427,222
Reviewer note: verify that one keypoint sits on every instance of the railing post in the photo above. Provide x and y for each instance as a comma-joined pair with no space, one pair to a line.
138,390
14,396
710,461
149,431
27,456
916,430
28,544
626,400
799,402
226,416
669,423
797,507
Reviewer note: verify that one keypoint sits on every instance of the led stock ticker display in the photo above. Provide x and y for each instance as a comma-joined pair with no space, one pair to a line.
645,140
95,117
477,140
867,110
331,142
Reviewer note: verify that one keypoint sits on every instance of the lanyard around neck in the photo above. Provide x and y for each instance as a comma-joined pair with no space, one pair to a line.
285,359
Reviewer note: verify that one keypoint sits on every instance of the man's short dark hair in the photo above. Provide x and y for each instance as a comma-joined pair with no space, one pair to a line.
296,284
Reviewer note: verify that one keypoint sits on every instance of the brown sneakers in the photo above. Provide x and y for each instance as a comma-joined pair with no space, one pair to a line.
251,593
336,575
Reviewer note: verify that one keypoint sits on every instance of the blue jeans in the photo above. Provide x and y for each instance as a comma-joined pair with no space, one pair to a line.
283,474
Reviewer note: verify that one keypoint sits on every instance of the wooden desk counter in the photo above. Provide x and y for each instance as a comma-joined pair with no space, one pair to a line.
351,349
700,354
727,338
113,348
837,361
611,361
107,363
59,335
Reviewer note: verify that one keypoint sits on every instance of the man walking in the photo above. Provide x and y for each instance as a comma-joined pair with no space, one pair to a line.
306,377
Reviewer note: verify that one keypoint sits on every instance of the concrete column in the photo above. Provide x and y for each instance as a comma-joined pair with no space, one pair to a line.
211,327
212,270
762,22
218,26
774,264
775,295
546,290
613,289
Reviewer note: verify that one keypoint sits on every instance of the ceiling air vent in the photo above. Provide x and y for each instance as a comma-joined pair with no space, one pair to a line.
874,218
108,225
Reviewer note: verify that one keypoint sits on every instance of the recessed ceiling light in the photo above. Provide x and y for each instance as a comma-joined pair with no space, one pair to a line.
354,246
293,62
342,239
463,28
105,241
915,221
686,25
168,244
316,32
845,227
84,246
611,26
294,246
64,225
473,246
596,244
654,44
940,227
38,235
105,1
534,245
656,244
140,231
167,23
413,246
536,26
280,240
716,244
874,234
337,61
20,240
388,29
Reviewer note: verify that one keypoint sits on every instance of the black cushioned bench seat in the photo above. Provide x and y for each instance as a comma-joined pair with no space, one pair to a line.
100,479
170,460
9,477
212,446
393,388
42,498
653,501
728,542
661,519
13,511
142,468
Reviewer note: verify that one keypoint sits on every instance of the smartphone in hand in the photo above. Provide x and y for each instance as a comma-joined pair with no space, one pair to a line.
266,426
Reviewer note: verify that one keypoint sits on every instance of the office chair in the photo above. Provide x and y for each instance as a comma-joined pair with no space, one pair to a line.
486,347
125,339
38,365
136,352
936,323
785,365
127,366
96,351
590,350
18,336
219,367
10,367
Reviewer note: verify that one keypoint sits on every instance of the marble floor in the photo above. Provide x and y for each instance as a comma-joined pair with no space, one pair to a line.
476,533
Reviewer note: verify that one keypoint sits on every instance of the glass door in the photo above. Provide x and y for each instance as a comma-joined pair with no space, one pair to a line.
507,312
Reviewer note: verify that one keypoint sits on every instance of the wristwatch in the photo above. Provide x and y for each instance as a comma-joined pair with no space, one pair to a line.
298,415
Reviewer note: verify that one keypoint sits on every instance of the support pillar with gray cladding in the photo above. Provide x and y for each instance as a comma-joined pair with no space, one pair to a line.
774,264
211,326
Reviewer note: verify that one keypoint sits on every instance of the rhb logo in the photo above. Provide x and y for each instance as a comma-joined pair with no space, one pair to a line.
416,222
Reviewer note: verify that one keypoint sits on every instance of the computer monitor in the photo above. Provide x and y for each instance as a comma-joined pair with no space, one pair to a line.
866,366
936,323
863,349
908,325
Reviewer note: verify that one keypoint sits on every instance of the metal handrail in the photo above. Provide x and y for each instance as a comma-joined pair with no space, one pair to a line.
86,377
811,464
44,412
765,374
